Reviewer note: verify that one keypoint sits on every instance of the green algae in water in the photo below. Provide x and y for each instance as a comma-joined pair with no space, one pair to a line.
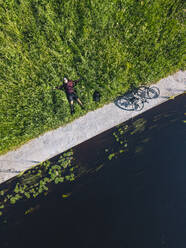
157,117
139,149
99,167
2,192
35,181
153,126
66,195
139,126
111,156
28,211
145,140
120,138
31,210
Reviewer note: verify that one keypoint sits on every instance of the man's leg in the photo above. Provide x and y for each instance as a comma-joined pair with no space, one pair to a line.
81,104
72,107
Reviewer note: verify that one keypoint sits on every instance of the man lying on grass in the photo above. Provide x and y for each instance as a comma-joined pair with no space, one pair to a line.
68,86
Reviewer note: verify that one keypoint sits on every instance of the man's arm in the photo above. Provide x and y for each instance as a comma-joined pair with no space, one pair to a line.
61,87
76,81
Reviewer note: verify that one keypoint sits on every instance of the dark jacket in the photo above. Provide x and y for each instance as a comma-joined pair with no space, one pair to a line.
68,87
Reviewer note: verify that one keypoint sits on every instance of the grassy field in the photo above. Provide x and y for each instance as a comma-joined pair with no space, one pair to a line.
110,44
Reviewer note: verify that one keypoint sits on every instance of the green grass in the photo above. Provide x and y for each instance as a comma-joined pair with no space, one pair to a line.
109,44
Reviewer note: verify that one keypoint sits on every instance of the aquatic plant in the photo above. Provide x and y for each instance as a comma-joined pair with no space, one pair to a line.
37,180
31,210
121,138
138,126
66,195
111,156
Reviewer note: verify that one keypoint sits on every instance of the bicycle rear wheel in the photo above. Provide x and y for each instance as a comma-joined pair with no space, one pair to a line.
124,103
138,104
153,92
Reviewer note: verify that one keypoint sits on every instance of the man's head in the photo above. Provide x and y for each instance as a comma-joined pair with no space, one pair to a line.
65,80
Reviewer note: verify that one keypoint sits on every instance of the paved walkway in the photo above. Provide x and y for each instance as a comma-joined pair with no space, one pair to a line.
84,128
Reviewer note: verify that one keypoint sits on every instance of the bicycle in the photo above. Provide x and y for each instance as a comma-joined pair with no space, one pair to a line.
135,99
147,92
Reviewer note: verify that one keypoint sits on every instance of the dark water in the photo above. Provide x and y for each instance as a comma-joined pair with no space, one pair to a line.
137,201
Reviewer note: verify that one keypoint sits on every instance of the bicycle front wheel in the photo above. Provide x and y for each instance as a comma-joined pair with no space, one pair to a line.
138,104
153,92
142,91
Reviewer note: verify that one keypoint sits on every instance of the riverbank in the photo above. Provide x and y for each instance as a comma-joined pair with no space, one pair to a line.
93,123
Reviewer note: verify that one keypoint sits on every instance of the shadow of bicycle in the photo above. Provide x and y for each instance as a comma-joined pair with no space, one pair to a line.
125,102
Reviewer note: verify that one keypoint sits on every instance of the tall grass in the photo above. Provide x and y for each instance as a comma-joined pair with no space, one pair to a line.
110,44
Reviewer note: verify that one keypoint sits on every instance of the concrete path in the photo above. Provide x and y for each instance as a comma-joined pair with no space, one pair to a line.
84,128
